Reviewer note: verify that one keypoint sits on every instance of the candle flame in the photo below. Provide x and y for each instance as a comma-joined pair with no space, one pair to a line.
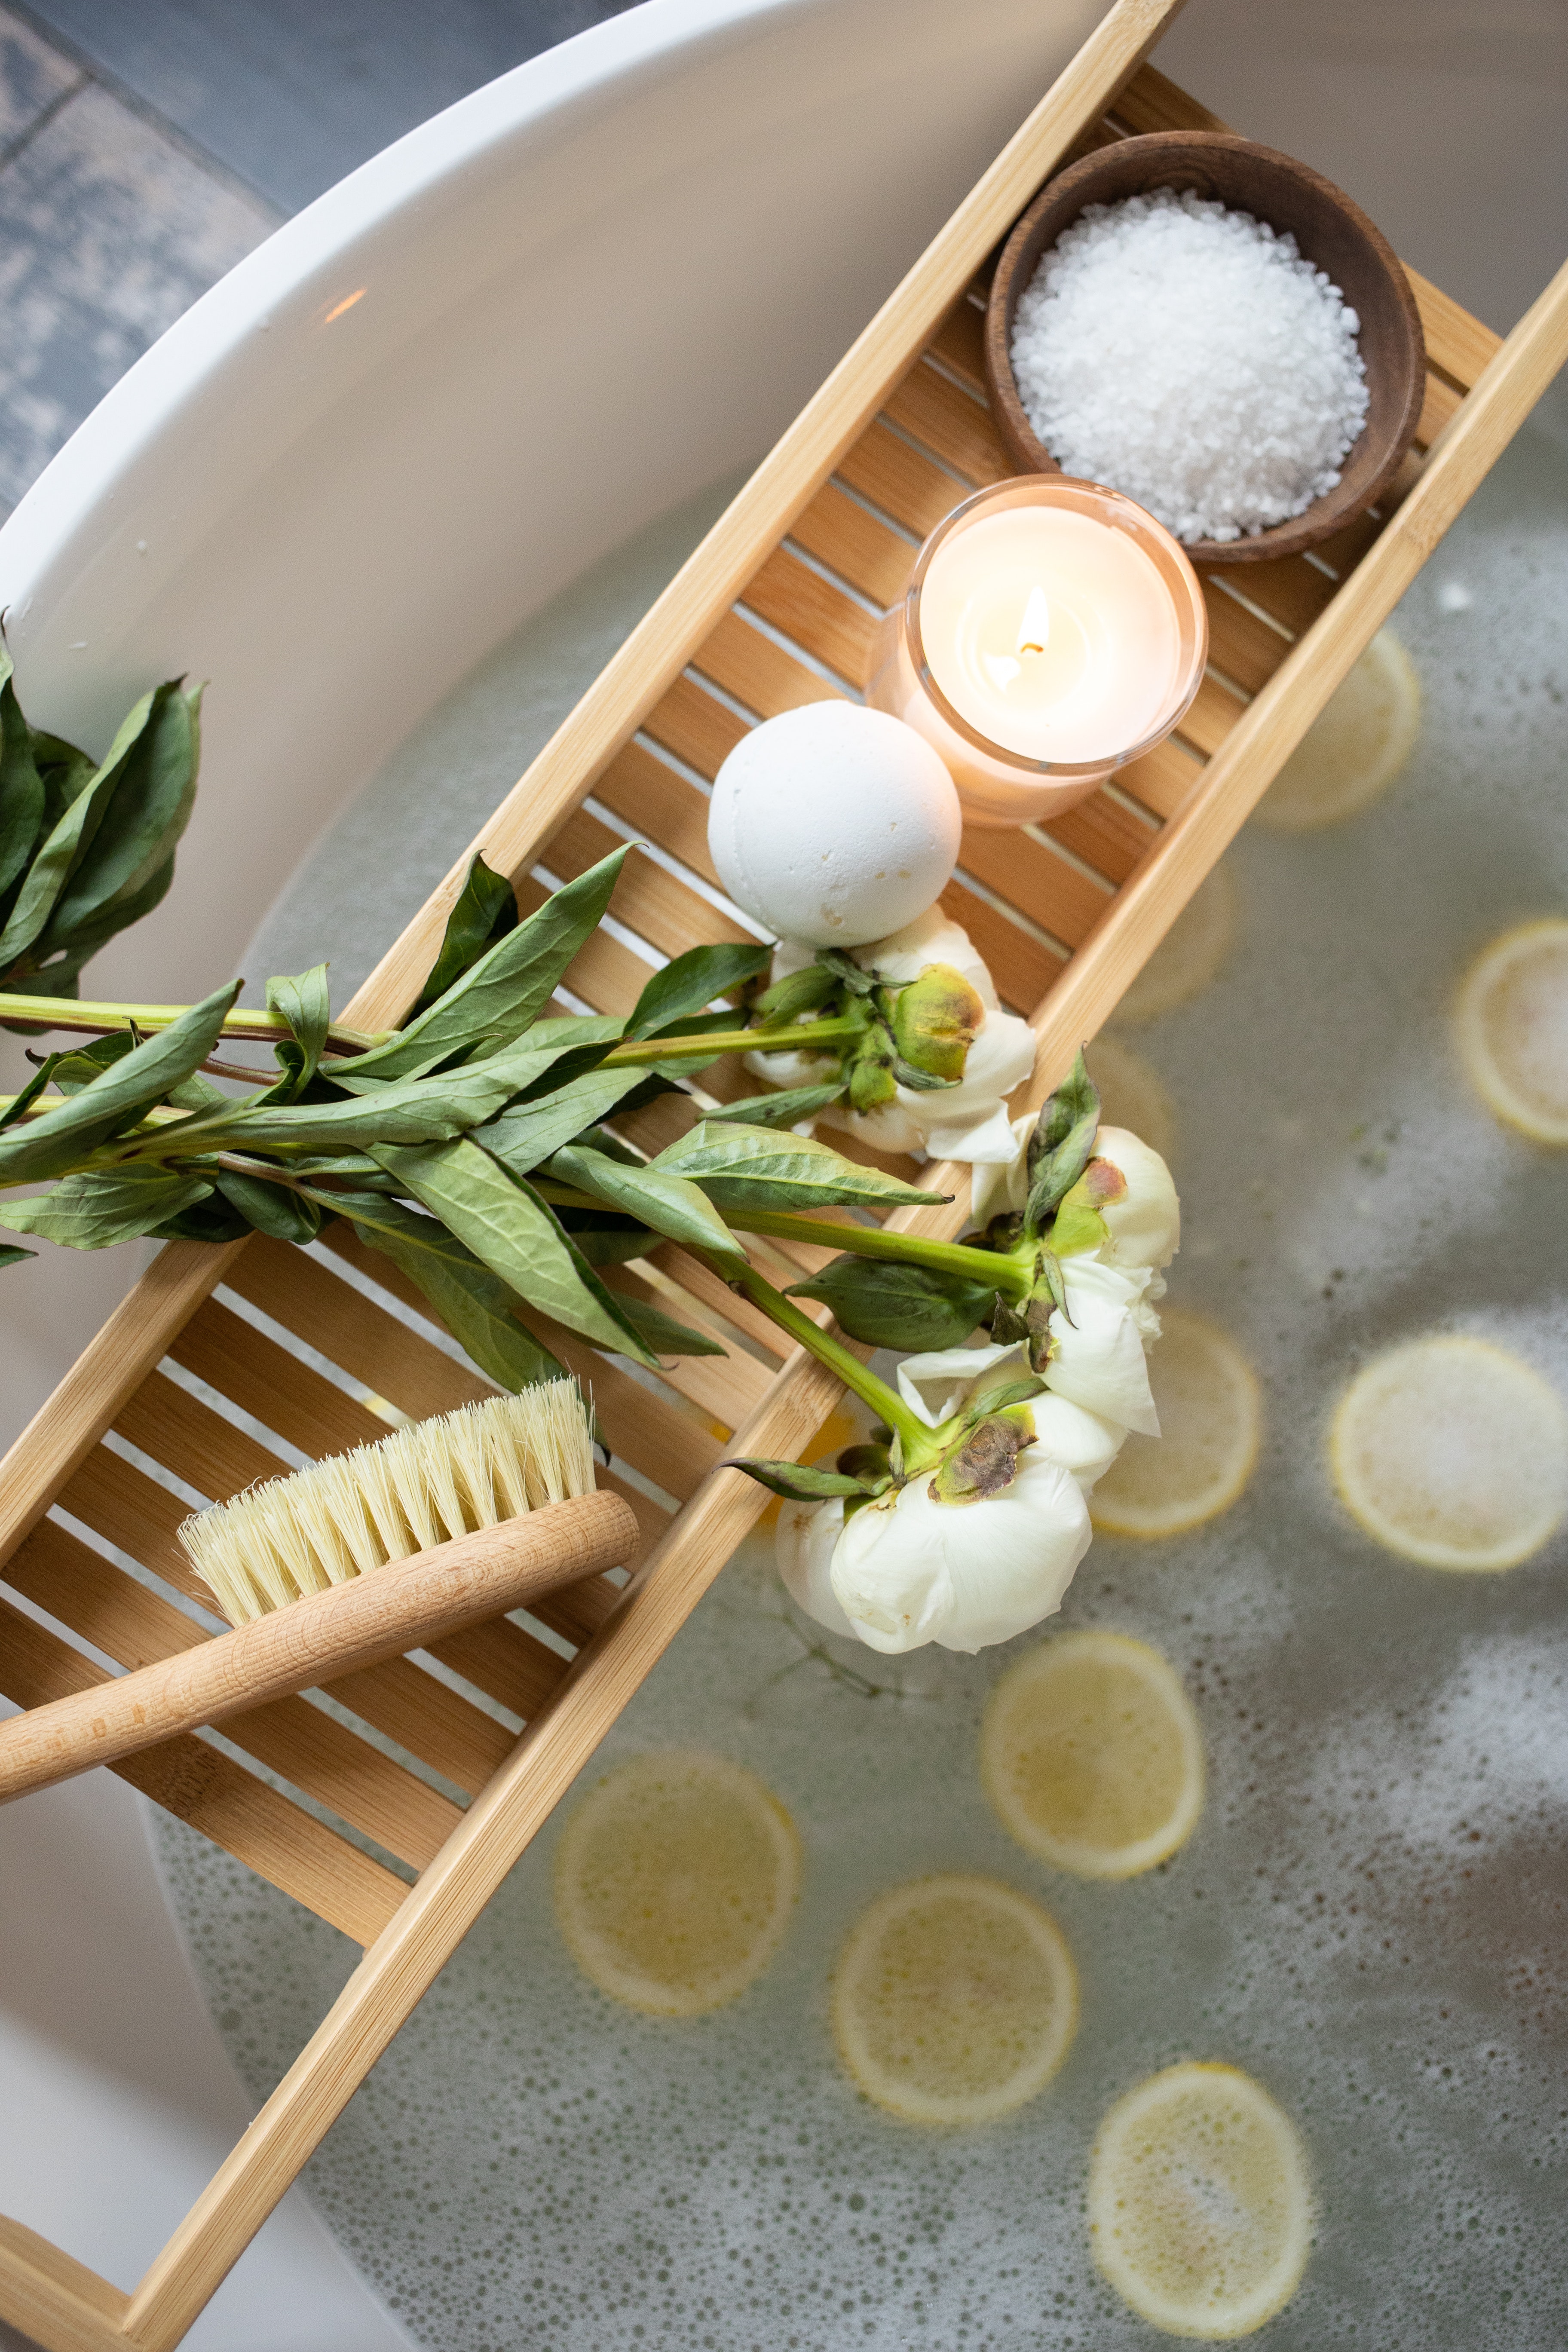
1035,628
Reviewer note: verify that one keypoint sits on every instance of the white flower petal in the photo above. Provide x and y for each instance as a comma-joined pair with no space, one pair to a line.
937,1384
803,1548
1000,1187
1084,1443
932,938
1098,1358
1145,1226
965,1575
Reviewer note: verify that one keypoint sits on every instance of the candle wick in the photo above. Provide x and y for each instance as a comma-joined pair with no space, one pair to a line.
1035,629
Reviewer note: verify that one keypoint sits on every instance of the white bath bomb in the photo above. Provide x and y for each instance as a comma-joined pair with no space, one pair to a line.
834,825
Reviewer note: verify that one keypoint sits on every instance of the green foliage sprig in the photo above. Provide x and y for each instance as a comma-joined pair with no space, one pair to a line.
88,847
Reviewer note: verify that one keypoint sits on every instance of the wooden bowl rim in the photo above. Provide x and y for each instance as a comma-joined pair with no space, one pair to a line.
1077,184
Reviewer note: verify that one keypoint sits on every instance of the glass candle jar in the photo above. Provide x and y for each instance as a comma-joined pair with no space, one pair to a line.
1051,631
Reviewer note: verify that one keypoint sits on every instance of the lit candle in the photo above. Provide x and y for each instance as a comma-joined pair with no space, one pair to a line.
1052,631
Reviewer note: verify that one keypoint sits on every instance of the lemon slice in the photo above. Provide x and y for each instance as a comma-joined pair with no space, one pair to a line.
1354,748
1199,2208
1453,1453
1190,954
1132,1096
1091,1755
955,2000
674,1882
1206,1397
1512,1024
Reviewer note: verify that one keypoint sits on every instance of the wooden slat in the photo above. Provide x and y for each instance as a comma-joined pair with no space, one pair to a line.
1031,874
185,1435
953,427
506,1662
298,1290
1163,779
667,807
728,1386
655,903
1437,407
1022,966
1457,344
904,482
815,615
1215,711
695,726
960,345
273,1385
867,552
199,1784
60,1574
55,2300
1103,832
758,672
1244,647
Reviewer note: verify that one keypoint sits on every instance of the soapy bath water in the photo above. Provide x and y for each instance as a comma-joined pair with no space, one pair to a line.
1370,1918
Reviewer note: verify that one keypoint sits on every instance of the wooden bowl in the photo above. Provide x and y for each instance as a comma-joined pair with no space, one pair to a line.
1331,233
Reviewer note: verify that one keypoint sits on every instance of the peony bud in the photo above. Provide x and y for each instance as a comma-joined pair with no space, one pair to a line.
936,1019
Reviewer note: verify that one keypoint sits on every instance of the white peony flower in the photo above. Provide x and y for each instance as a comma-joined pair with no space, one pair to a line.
966,1121
1097,1358
802,1547
938,1384
1145,1224
909,1570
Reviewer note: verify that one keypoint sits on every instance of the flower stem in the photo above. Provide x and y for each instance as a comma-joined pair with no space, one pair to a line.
70,1013
884,1401
810,1036
874,1240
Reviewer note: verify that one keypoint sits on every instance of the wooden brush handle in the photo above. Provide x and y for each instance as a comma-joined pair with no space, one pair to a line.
372,1617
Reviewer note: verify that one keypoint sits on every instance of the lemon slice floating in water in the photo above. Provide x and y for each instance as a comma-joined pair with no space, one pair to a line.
1189,955
1206,1397
1453,1453
1199,2208
1131,1095
1091,1755
955,2000
1513,1026
1354,748
674,1882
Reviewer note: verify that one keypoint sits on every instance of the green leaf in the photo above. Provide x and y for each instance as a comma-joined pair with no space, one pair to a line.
22,799
793,1480
693,980
484,911
798,993
527,1133
66,771
273,1209
846,971
61,975
79,1066
116,835
1062,1144
910,1307
753,1168
478,1309
672,1206
408,1110
663,1334
781,1109
212,1221
503,1220
21,1103
304,1004
48,1144
97,1207
11,1255
498,998
603,1238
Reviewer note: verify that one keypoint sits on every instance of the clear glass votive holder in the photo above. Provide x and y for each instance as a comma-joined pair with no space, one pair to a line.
1051,633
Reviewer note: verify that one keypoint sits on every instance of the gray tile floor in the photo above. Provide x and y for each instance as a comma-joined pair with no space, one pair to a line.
146,144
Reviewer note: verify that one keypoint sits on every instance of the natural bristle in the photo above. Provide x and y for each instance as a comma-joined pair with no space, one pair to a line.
420,1487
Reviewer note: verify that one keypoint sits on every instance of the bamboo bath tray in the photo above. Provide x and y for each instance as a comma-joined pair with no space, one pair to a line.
395,1815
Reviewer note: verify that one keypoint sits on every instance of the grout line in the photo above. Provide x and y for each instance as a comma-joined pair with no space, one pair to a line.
92,71
41,122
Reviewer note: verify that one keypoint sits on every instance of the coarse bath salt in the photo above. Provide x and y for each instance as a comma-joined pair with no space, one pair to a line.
1190,357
